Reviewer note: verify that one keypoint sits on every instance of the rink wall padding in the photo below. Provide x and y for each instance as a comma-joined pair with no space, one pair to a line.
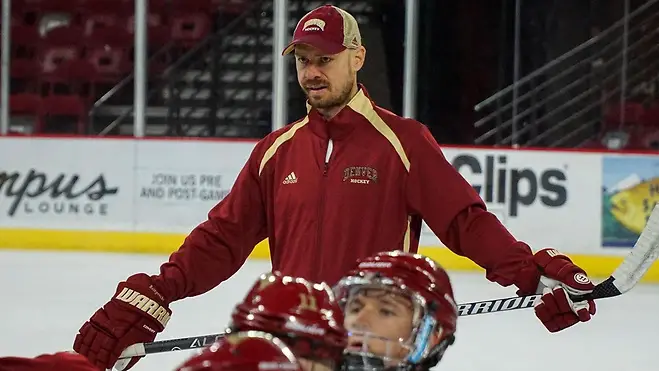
128,195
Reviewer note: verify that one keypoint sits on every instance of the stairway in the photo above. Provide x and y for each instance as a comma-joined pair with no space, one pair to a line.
561,104
220,88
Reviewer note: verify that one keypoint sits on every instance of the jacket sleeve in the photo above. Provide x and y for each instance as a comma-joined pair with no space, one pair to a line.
457,215
219,246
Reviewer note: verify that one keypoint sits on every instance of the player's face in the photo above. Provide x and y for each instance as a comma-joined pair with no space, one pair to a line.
380,321
329,81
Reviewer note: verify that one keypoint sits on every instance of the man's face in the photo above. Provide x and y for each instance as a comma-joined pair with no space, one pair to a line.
327,80
385,316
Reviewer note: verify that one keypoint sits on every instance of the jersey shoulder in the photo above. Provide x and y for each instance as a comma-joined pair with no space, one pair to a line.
398,123
267,147
407,130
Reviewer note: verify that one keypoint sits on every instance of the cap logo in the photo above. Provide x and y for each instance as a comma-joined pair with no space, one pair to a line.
314,24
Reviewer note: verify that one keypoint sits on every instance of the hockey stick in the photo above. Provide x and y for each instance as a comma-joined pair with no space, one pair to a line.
623,279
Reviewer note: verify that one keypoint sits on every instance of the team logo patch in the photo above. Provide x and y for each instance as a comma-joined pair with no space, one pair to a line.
360,175
314,24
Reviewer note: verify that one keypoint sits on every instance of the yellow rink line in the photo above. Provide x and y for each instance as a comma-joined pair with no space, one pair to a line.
160,243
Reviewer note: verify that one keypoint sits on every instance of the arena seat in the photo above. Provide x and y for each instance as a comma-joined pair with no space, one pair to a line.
650,116
633,112
67,53
72,77
188,28
24,104
56,112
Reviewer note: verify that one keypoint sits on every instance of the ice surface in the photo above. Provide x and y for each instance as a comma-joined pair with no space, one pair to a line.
45,297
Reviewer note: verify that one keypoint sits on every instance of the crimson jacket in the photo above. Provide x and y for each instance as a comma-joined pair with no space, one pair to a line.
326,193
62,361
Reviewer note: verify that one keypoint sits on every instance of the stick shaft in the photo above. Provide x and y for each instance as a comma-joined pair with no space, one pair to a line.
626,276
466,309
602,290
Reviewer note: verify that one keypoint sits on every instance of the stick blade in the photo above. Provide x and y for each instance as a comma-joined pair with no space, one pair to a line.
642,256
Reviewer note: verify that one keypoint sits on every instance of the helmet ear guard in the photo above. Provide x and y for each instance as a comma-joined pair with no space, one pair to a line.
429,346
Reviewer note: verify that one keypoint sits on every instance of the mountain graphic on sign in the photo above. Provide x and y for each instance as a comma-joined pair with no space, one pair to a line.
628,182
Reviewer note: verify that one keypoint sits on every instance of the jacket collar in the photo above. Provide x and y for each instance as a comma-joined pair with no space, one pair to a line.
343,123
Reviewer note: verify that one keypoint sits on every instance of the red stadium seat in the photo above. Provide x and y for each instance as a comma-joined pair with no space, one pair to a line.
190,28
24,104
651,139
24,35
52,57
193,6
57,111
158,33
72,77
651,116
233,6
116,7
25,69
63,36
24,75
24,41
33,12
112,36
108,49
111,63
613,112
97,21
51,5
152,20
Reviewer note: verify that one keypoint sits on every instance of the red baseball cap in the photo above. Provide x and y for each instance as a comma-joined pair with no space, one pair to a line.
328,28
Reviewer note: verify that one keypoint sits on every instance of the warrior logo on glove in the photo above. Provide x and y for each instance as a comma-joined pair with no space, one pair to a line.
135,314
140,301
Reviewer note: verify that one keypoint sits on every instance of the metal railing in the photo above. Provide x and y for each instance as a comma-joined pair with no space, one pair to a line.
203,56
561,103
214,55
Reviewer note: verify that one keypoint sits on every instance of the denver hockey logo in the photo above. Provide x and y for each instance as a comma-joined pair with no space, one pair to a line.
143,303
360,175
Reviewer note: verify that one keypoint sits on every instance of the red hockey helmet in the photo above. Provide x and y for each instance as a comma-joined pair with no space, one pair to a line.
244,351
425,284
303,314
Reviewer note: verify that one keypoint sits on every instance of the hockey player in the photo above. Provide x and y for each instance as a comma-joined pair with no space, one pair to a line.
399,311
303,314
344,182
62,361
244,351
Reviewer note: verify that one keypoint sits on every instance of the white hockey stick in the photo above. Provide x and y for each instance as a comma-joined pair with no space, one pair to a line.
623,279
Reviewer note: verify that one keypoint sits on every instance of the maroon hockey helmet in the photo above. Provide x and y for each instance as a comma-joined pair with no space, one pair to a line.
244,351
303,314
428,287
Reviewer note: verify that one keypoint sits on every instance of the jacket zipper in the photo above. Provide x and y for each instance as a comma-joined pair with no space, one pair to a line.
321,201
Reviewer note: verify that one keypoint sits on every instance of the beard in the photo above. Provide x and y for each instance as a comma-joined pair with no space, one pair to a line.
332,97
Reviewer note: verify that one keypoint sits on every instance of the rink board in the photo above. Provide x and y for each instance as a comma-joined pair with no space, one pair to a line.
143,243
144,196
